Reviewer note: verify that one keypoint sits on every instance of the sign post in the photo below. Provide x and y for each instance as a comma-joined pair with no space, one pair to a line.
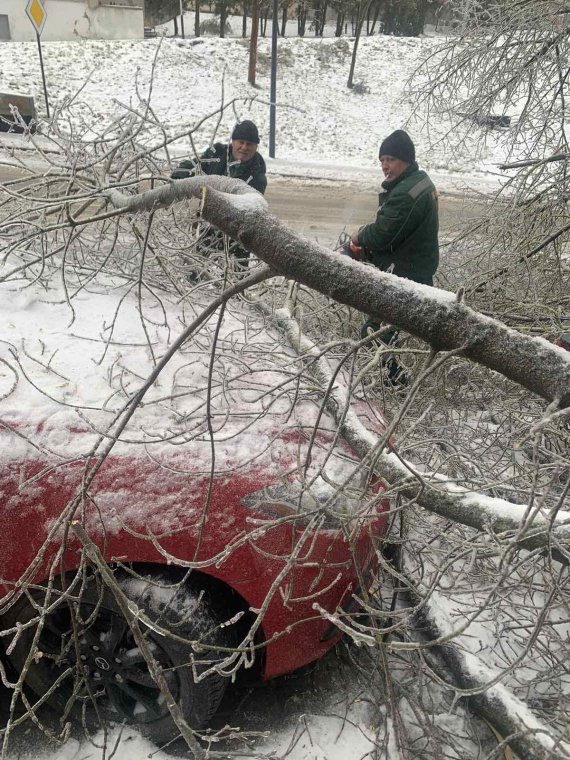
37,14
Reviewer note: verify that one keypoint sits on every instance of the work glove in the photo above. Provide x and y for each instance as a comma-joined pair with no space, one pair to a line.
184,170
180,174
352,251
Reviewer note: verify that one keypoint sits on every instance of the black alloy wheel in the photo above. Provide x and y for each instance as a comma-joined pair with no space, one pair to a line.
87,644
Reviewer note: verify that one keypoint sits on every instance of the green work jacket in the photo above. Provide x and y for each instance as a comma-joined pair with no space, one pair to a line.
404,237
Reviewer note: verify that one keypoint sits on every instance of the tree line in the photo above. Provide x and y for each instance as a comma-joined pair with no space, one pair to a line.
396,17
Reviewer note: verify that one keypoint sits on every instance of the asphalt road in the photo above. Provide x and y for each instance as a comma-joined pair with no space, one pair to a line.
322,210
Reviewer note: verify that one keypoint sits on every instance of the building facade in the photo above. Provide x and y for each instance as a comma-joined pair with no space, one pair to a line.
75,20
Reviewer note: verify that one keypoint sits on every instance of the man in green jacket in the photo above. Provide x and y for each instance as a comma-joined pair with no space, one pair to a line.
403,239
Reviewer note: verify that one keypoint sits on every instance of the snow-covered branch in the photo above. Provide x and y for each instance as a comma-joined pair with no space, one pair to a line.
435,493
243,198
530,737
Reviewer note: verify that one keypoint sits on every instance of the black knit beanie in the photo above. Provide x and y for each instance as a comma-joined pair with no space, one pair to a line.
246,130
399,145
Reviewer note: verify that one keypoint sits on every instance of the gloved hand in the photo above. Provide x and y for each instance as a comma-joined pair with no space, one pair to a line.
352,251
184,170
180,174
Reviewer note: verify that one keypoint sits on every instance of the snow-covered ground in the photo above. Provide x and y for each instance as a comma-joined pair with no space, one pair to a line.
324,130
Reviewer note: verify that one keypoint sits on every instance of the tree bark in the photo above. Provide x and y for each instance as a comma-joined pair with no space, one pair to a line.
253,43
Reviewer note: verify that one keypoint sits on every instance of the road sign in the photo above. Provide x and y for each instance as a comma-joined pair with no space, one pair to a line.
37,14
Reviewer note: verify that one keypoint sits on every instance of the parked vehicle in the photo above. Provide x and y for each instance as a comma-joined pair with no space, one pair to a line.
229,509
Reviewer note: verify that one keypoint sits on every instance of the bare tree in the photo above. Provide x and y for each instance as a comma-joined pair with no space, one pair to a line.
361,14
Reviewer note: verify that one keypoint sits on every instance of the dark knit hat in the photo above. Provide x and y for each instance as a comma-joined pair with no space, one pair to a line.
399,145
246,130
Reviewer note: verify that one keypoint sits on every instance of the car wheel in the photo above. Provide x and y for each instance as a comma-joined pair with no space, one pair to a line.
87,644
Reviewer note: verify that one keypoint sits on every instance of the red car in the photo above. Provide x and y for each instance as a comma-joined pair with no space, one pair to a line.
224,501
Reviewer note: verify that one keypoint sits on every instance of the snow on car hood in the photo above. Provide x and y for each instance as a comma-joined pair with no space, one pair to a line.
67,372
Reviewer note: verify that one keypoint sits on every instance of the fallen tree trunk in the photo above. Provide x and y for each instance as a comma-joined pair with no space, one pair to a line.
436,316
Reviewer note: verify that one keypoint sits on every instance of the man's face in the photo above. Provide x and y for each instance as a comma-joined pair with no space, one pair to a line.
242,150
392,167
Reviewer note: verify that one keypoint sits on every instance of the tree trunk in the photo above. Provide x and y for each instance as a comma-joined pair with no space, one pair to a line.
301,19
197,19
435,316
223,18
317,17
339,24
375,19
175,19
323,18
360,14
284,15
253,43
244,21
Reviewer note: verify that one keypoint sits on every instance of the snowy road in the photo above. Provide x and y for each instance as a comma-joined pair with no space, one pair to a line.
321,210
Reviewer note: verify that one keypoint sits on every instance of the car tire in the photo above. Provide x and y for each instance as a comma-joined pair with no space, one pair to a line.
106,670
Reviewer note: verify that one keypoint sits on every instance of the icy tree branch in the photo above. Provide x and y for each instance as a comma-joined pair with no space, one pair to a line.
432,492
529,737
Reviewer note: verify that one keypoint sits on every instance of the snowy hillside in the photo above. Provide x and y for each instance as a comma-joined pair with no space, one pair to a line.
323,128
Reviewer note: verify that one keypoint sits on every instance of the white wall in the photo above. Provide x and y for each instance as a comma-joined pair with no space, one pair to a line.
76,19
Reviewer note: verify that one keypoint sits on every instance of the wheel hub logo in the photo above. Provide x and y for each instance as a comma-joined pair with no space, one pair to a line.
102,663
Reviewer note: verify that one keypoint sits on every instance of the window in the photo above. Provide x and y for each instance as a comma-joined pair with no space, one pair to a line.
4,27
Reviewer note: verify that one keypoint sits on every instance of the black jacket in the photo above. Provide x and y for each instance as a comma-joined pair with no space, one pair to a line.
218,160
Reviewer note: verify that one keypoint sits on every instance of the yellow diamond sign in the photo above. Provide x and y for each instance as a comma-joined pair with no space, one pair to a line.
37,14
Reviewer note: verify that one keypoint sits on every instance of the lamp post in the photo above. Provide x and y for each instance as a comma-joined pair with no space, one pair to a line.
273,93
182,17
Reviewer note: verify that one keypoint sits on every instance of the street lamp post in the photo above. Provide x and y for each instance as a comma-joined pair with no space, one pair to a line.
273,94
182,17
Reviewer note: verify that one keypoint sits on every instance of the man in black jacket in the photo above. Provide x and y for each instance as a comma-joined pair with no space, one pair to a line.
239,159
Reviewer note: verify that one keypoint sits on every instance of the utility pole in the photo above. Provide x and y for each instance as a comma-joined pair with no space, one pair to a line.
37,14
